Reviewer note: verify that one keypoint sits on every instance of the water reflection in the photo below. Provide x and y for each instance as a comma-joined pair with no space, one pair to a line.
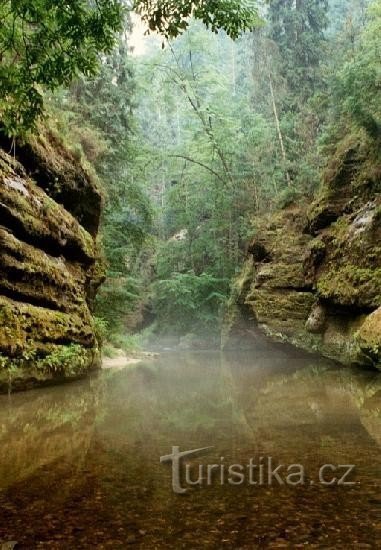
80,467
40,427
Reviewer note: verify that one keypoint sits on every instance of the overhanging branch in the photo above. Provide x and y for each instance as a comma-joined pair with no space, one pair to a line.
189,159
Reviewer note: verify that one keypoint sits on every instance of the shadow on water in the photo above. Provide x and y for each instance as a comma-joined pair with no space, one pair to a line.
80,468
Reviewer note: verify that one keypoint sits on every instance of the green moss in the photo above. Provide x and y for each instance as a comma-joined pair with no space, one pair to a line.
242,283
281,275
282,311
299,338
351,149
43,218
33,368
317,245
341,265
39,276
351,285
377,216
368,339
25,328
340,228
46,329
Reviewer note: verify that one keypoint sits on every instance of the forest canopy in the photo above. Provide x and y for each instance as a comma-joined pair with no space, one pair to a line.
45,44
171,18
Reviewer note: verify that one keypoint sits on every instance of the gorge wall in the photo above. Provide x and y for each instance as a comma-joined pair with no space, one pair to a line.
49,264
313,272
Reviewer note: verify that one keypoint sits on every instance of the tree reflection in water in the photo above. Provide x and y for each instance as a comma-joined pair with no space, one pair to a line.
80,466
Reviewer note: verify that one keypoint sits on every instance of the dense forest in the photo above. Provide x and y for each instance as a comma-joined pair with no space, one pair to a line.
196,136
192,136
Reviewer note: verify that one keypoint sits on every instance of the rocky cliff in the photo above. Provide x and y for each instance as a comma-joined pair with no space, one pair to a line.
49,266
313,273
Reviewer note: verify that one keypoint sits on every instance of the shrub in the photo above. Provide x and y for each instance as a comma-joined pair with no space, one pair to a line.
189,303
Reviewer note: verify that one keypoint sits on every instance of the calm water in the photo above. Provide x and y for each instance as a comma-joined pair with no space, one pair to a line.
80,464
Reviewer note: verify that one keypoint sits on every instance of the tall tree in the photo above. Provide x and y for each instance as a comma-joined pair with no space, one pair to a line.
297,27
45,44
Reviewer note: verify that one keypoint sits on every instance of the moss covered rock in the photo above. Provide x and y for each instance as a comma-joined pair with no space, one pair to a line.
315,275
369,338
49,266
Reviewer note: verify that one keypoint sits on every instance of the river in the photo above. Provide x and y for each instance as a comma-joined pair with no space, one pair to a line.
80,463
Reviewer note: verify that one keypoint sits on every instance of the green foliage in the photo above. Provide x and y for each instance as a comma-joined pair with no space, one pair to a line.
297,28
294,49
127,222
199,160
118,296
129,343
109,351
289,196
188,302
69,359
98,115
192,141
44,45
357,83
171,18
101,330
212,157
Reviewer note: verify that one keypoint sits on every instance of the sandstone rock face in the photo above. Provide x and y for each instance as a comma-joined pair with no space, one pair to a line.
49,265
318,286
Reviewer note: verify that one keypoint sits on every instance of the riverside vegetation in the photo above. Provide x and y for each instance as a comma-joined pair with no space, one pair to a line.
227,181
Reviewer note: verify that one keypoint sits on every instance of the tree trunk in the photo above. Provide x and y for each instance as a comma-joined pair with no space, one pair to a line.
279,131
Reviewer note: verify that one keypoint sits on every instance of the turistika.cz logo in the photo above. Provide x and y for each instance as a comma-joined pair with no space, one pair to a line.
264,471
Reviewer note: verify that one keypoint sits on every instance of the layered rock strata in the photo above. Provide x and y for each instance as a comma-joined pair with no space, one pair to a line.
49,265
313,273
